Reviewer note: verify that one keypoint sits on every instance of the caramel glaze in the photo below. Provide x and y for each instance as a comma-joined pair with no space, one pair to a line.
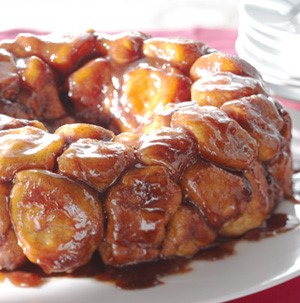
149,274
230,144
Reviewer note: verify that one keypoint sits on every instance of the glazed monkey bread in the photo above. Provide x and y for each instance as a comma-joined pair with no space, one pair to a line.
136,147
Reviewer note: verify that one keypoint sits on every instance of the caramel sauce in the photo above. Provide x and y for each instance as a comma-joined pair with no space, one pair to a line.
276,224
149,274
136,276
123,61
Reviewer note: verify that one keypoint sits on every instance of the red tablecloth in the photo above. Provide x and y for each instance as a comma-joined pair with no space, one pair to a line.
224,40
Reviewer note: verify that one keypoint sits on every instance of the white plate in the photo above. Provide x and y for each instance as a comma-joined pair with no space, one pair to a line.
287,92
270,72
280,83
260,36
278,18
254,267
283,61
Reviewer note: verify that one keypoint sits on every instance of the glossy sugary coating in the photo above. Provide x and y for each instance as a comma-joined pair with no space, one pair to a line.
58,222
136,147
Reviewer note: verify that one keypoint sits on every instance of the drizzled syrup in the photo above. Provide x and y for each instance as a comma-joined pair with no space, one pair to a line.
149,274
